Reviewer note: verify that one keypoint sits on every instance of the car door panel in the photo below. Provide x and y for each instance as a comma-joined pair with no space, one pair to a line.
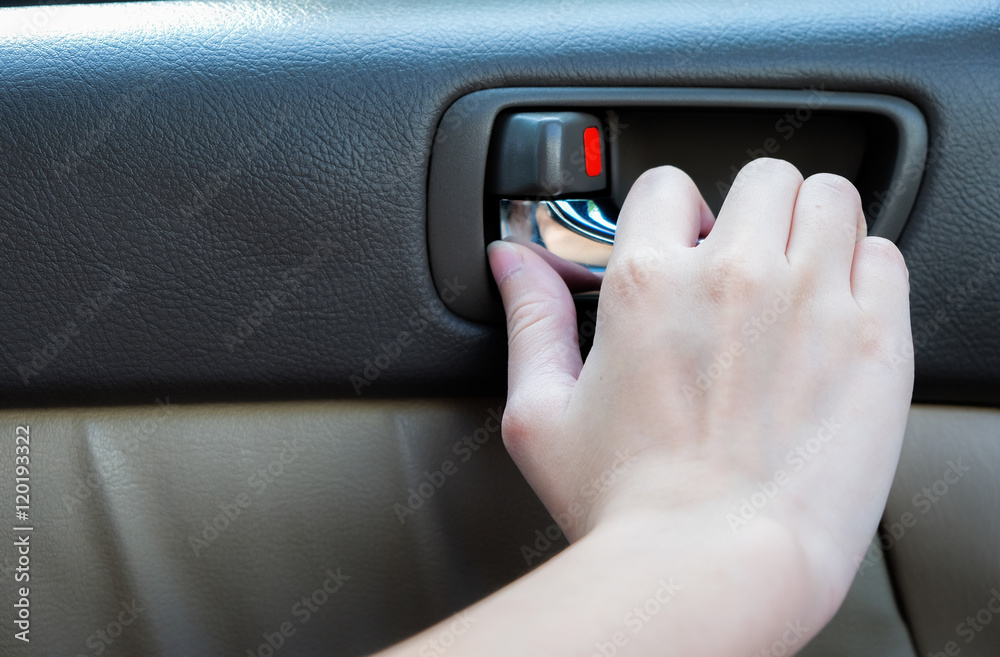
208,155
215,223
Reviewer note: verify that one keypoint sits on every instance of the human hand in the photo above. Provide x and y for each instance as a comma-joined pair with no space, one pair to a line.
749,393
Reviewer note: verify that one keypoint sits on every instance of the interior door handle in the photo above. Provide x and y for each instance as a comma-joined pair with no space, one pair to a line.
579,230
534,137
585,217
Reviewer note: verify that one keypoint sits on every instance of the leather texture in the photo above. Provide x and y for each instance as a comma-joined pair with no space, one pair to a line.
196,530
227,200
940,533
213,521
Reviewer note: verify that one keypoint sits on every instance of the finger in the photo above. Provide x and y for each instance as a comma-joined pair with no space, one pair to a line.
577,277
826,225
663,209
757,213
880,282
544,354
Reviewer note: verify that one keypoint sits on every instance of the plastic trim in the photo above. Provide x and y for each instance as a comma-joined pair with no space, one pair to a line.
456,184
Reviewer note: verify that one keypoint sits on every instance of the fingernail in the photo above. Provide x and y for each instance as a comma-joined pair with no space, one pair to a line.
505,260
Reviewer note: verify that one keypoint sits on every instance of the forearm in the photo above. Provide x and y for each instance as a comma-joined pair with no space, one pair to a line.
656,591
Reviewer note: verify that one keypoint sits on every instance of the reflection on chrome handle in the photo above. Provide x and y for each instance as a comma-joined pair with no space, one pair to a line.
584,217
576,230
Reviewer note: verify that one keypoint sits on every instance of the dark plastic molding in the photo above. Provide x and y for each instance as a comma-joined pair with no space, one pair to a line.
455,222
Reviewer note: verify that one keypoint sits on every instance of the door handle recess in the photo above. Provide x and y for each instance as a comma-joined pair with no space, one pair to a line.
515,162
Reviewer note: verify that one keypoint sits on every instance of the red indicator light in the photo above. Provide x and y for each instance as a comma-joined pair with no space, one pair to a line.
592,150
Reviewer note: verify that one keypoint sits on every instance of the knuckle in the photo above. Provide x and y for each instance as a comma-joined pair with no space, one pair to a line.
632,274
732,275
872,336
884,249
835,187
528,311
516,426
808,290
885,258
767,172
666,181
662,175
773,167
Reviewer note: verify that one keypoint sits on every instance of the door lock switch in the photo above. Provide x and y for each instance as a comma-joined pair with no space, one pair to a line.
547,154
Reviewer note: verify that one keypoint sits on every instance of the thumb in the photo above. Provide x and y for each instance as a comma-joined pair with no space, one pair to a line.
544,352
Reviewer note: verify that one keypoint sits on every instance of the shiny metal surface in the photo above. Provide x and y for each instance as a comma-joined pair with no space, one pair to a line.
578,230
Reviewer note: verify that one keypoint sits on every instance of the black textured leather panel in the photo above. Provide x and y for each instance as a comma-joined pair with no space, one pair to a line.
227,199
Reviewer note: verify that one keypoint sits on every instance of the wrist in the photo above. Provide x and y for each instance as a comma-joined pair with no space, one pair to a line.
713,575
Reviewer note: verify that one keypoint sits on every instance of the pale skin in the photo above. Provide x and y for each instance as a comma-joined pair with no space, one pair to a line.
758,385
